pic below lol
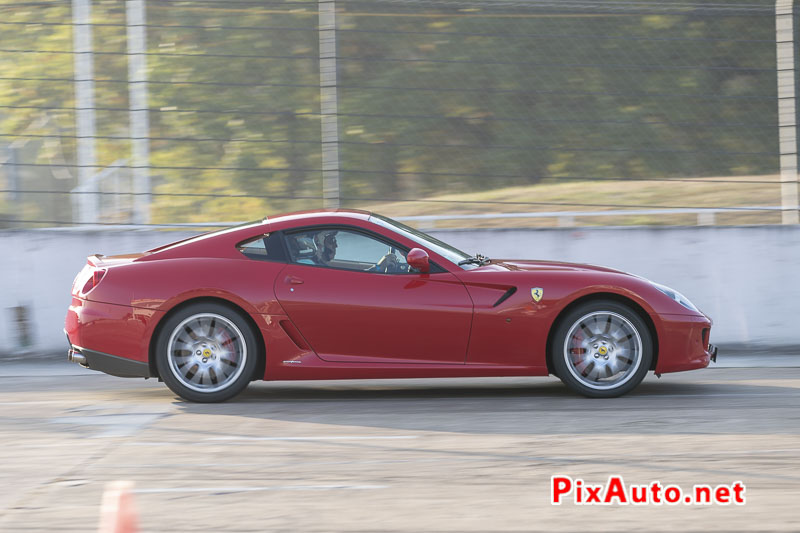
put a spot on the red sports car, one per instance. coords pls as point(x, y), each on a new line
point(349, 294)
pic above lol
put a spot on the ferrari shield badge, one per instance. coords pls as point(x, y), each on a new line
point(537, 294)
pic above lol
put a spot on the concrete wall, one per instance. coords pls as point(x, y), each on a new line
point(746, 278)
point(37, 268)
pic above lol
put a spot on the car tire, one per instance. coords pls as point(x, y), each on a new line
point(602, 349)
point(206, 352)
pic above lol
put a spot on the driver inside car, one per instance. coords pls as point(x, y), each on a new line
point(317, 250)
point(320, 249)
point(326, 247)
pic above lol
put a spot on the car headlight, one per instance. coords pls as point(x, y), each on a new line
point(678, 297)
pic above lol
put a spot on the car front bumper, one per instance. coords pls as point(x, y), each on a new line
point(684, 343)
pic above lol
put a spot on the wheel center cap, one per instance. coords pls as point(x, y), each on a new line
point(602, 350)
point(206, 353)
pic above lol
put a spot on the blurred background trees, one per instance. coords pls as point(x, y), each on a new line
point(435, 98)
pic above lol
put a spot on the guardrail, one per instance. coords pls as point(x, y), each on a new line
point(706, 216)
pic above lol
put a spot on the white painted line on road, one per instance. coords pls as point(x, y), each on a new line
point(331, 437)
point(222, 490)
point(53, 445)
point(236, 441)
point(284, 463)
point(161, 443)
point(35, 402)
point(742, 395)
point(397, 461)
point(712, 452)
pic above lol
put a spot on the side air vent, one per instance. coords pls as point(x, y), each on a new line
point(506, 295)
point(293, 334)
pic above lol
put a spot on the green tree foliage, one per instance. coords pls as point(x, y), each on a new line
point(434, 96)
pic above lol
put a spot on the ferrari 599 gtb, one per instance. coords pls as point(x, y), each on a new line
point(349, 294)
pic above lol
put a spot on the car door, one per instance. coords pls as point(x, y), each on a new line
point(352, 308)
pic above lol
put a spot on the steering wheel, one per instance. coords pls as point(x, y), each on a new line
point(389, 263)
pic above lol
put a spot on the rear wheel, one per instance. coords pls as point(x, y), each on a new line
point(602, 349)
point(206, 352)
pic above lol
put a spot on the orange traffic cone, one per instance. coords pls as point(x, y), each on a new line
point(118, 513)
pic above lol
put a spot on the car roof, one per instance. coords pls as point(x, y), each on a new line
point(309, 215)
point(206, 242)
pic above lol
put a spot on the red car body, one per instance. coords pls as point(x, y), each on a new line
point(324, 323)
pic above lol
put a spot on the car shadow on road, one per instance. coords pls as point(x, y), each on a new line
point(494, 388)
point(521, 406)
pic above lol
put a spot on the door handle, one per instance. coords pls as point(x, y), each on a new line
point(291, 280)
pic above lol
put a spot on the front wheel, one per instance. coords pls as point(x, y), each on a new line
point(602, 349)
point(206, 353)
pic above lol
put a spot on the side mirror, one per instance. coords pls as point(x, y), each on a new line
point(418, 258)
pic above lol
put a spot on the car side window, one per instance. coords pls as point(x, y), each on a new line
point(346, 249)
point(263, 248)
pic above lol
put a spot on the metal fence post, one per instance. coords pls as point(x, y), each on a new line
point(14, 181)
point(139, 120)
point(329, 109)
point(88, 204)
point(787, 109)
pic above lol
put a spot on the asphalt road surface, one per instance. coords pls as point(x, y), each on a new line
point(413, 455)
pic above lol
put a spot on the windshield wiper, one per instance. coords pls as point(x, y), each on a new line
point(478, 259)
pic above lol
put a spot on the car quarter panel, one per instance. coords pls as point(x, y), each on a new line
point(120, 315)
point(160, 285)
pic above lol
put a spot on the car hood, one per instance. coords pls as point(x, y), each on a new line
point(538, 266)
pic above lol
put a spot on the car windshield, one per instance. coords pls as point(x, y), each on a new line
point(450, 253)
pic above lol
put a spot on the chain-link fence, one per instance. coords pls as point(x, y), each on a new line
point(490, 112)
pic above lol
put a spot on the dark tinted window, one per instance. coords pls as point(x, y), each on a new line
point(263, 248)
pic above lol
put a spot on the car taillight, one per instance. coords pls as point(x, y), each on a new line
point(93, 281)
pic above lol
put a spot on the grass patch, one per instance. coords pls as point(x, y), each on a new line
point(599, 196)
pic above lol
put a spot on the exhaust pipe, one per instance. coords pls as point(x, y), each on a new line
point(76, 357)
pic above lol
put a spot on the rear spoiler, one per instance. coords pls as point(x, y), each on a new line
point(103, 261)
